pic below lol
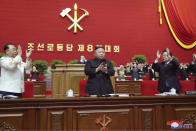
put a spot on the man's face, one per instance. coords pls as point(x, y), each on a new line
point(34, 68)
point(121, 67)
point(134, 65)
point(100, 53)
point(82, 57)
point(165, 57)
point(194, 57)
point(131, 64)
point(11, 52)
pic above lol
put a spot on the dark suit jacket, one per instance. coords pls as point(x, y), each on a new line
point(128, 73)
point(184, 74)
point(98, 83)
point(34, 75)
point(145, 68)
point(135, 74)
point(141, 72)
point(192, 68)
point(167, 75)
point(152, 74)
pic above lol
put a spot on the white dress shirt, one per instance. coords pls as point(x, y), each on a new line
point(12, 74)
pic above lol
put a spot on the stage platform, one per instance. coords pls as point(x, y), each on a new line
point(98, 113)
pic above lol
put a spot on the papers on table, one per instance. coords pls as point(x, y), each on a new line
point(10, 97)
point(120, 95)
point(123, 95)
point(111, 95)
point(167, 94)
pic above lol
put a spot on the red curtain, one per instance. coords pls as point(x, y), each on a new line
point(181, 18)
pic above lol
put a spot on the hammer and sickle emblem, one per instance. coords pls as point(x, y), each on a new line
point(75, 20)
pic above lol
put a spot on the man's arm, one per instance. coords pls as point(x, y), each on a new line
point(11, 64)
point(89, 70)
point(110, 69)
point(28, 60)
point(27, 64)
point(155, 65)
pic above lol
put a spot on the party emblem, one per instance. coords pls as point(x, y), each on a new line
point(75, 20)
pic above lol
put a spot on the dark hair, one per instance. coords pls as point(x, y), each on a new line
point(97, 47)
point(169, 52)
point(6, 46)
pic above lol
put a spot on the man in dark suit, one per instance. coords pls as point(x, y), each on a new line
point(99, 71)
point(192, 67)
point(145, 67)
point(135, 72)
point(167, 72)
point(183, 72)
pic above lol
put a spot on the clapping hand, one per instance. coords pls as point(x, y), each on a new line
point(28, 54)
point(19, 50)
point(168, 53)
point(99, 67)
point(104, 68)
point(158, 55)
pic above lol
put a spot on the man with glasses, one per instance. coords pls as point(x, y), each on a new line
point(12, 71)
point(168, 81)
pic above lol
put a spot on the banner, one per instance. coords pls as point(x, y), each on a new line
point(56, 30)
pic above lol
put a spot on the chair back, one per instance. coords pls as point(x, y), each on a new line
point(82, 86)
point(149, 88)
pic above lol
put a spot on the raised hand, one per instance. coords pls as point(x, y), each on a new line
point(28, 53)
point(158, 54)
point(168, 53)
point(19, 50)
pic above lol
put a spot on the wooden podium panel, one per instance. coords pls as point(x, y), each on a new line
point(116, 119)
point(187, 114)
point(56, 119)
point(66, 77)
point(97, 113)
point(39, 88)
point(17, 119)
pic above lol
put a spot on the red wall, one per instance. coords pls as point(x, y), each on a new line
point(131, 24)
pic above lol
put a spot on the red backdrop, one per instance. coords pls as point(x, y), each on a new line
point(131, 24)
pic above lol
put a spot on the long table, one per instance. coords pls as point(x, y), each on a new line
point(97, 113)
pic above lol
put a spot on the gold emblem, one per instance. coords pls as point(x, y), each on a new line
point(6, 127)
point(104, 121)
point(75, 20)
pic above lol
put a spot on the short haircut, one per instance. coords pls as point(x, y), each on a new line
point(6, 46)
point(170, 53)
point(97, 47)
